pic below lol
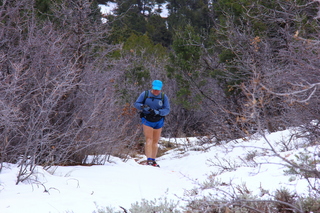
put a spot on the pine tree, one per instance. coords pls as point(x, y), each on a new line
point(194, 13)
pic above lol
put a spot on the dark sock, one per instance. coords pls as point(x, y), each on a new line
point(151, 159)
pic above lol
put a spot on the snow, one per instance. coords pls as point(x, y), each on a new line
point(83, 189)
point(107, 8)
point(110, 6)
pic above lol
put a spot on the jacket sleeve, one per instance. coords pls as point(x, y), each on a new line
point(166, 106)
point(139, 101)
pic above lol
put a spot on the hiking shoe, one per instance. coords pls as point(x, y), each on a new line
point(152, 163)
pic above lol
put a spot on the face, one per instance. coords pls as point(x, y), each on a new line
point(156, 92)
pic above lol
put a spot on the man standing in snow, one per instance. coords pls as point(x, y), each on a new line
point(154, 106)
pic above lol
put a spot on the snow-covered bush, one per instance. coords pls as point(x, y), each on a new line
point(160, 205)
point(157, 205)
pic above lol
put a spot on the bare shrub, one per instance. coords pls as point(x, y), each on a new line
point(267, 78)
point(58, 102)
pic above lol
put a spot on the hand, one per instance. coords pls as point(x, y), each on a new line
point(151, 112)
point(145, 107)
point(154, 112)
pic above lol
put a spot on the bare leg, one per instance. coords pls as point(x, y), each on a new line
point(152, 137)
point(156, 137)
point(148, 133)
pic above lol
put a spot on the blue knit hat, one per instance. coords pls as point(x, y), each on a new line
point(157, 85)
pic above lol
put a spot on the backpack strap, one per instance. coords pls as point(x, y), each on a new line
point(146, 94)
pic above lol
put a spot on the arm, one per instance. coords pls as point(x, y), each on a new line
point(166, 106)
point(139, 101)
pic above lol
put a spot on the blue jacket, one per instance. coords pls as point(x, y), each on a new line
point(154, 102)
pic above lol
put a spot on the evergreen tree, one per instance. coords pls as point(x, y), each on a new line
point(157, 30)
point(185, 61)
point(43, 8)
point(128, 19)
point(190, 12)
point(137, 17)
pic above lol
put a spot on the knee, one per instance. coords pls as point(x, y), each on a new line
point(155, 142)
point(149, 140)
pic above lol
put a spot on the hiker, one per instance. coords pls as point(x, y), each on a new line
point(154, 106)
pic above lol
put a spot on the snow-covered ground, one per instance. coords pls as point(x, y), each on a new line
point(85, 189)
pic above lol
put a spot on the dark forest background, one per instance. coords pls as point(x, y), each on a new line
point(231, 68)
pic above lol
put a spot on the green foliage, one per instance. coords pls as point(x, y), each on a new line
point(285, 197)
point(144, 56)
point(187, 49)
point(305, 166)
point(194, 13)
point(95, 14)
point(143, 7)
point(44, 8)
point(119, 33)
point(310, 204)
point(137, 22)
point(138, 43)
point(43, 5)
point(134, 20)
point(156, 205)
point(226, 56)
point(307, 27)
point(139, 73)
point(243, 203)
point(131, 21)
point(143, 46)
point(283, 201)
point(185, 63)
point(160, 205)
point(158, 32)
point(259, 27)
point(230, 8)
